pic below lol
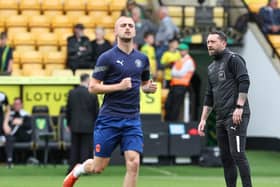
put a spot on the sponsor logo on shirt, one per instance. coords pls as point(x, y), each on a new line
point(119, 62)
point(138, 63)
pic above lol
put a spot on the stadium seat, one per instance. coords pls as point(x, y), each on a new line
point(105, 22)
point(110, 35)
point(47, 42)
point(93, 5)
point(115, 15)
point(62, 38)
point(24, 41)
point(54, 60)
point(175, 11)
point(31, 57)
point(44, 130)
point(52, 8)
point(218, 16)
point(64, 133)
point(255, 5)
point(37, 72)
point(74, 8)
point(275, 40)
point(177, 21)
point(189, 16)
point(16, 57)
point(87, 21)
point(30, 7)
point(17, 72)
point(39, 24)
point(17, 21)
point(61, 24)
point(8, 8)
point(62, 72)
point(117, 5)
point(97, 14)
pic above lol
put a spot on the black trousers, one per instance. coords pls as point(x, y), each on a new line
point(175, 102)
point(232, 142)
point(81, 148)
point(10, 140)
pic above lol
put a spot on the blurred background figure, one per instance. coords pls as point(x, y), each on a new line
point(100, 44)
point(270, 17)
point(18, 129)
point(4, 115)
point(142, 26)
point(6, 55)
point(81, 112)
point(79, 50)
point(167, 60)
point(166, 31)
point(181, 76)
point(149, 50)
point(130, 4)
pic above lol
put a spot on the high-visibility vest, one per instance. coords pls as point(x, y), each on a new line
point(4, 59)
point(186, 79)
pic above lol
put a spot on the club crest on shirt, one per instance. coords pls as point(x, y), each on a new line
point(138, 63)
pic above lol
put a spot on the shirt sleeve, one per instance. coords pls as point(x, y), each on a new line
point(187, 67)
point(146, 71)
point(101, 68)
point(238, 68)
point(208, 99)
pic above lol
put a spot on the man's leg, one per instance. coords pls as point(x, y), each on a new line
point(237, 141)
point(230, 171)
point(9, 148)
point(74, 151)
point(132, 160)
point(95, 165)
point(86, 147)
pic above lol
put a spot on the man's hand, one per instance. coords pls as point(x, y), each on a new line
point(237, 116)
point(125, 84)
point(150, 87)
point(17, 121)
point(201, 127)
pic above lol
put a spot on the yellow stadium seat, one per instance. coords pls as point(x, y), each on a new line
point(275, 40)
point(17, 72)
point(105, 21)
point(62, 38)
point(97, 14)
point(24, 38)
point(93, 5)
point(110, 35)
point(87, 21)
point(49, 68)
point(16, 57)
point(115, 15)
point(31, 57)
point(79, 72)
point(47, 42)
point(57, 57)
point(39, 24)
point(2, 22)
point(30, 7)
point(29, 70)
point(8, 8)
point(190, 11)
point(218, 16)
point(177, 21)
point(62, 72)
point(117, 5)
point(89, 33)
point(75, 8)
point(15, 66)
point(52, 8)
point(61, 21)
point(189, 22)
point(175, 11)
point(197, 39)
point(16, 21)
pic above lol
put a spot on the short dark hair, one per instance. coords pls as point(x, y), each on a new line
point(18, 98)
point(148, 33)
point(221, 34)
point(84, 77)
point(3, 35)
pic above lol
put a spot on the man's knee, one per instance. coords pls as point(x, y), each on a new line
point(133, 164)
point(238, 156)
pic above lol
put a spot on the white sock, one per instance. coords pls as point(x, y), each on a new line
point(79, 170)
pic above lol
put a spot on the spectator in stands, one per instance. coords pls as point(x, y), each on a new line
point(270, 18)
point(81, 112)
point(4, 114)
point(182, 72)
point(167, 60)
point(6, 55)
point(18, 129)
point(142, 26)
point(79, 50)
point(100, 44)
point(149, 50)
point(130, 4)
point(166, 31)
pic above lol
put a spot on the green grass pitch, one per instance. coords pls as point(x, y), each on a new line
point(264, 165)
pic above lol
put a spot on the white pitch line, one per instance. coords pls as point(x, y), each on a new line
point(162, 171)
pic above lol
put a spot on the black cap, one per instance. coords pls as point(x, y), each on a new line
point(79, 26)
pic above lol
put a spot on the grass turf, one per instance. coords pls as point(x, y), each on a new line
point(264, 165)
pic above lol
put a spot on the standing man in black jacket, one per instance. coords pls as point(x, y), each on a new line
point(81, 112)
point(228, 85)
point(79, 50)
